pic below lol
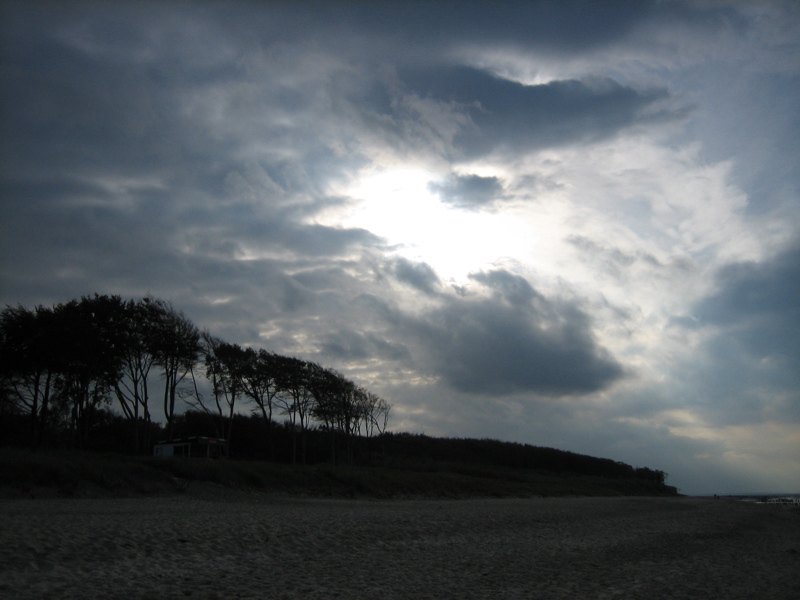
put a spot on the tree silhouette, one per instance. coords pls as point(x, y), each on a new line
point(295, 398)
point(28, 364)
point(374, 412)
point(260, 375)
point(88, 336)
point(335, 406)
point(70, 360)
point(177, 348)
point(140, 336)
point(225, 367)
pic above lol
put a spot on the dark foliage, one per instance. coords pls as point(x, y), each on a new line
point(422, 449)
point(59, 367)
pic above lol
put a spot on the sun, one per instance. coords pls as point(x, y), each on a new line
point(399, 205)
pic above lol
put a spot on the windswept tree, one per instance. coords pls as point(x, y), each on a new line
point(374, 413)
point(87, 333)
point(28, 364)
point(225, 365)
point(259, 379)
point(334, 406)
point(69, 360)
point(295, 399)
point(140, 336)
point(176, 348)
point(329, 389)
point(346, 410)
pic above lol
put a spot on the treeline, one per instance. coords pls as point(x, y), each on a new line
point(62, 367)
point(112, 433)
point(404, 448)
point(107, 374)
point(396, 451)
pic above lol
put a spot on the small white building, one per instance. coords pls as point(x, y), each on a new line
point(192, 447)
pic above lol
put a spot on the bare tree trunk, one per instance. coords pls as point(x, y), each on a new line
point(35, 410)
point(43, 412)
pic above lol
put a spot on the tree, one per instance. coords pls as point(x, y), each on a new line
point(225, 367)
point(177, 348)
point(140, 337)
point(69, 360)
point(335, 407)
point(295, 398)
point(374, 413)
point(259, 378)
point(28, 364)
point(88, 336)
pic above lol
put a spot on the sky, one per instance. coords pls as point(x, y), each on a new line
point(569, 224)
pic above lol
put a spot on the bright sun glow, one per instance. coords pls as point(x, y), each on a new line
point(399, 206)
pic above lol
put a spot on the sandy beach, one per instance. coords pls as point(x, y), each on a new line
point(206, 545)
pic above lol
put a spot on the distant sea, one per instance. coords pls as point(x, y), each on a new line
point(767, 498)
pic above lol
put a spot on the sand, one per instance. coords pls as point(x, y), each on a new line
point(238, 546)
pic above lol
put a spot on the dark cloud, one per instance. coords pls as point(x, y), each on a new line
point(348, 344)
point(508, 116)
point(513, 288)
point(756, 289)
point(582, 25)
point(424, 29)
point(418, 275)
point(758, 305)
point(322, 277)
point(70, 109)
point(78, 239)
point(135, 80)
point(317, 240)
point(747, 368)
point(520, 342)
point(137, 156)
point(468, 191)
point(129, 92)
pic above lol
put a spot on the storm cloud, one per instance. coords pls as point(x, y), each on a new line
point(759, 304)
point(514, 340)
point(507, 116)
point(469, 190)
point(417, 275)
point(754, 323)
